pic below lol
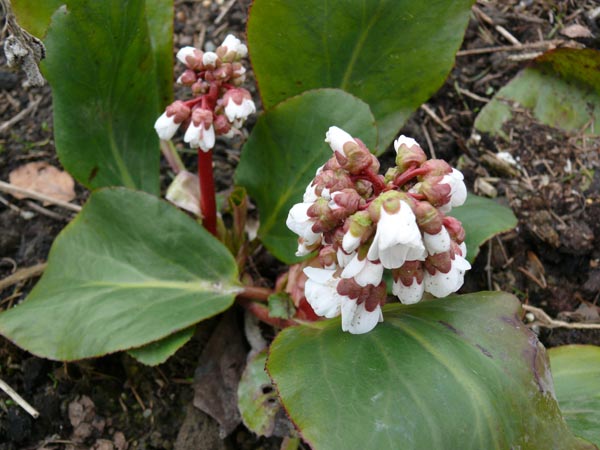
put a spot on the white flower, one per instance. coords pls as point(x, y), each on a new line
point(336, 138)
point(209, 58)
point(350, 242)
point(199, 136)
point(363, 271)
point(241, 111)
point(458, 190)
point(310, 195)
point(397, 238)
point(356, 319)
point(437, 243)
point(404, 140)
point(233, 44)
point(443, 284)
point(183, 54)
point(321, 292)
point(344, 258)
point(299, 222)
point(166, 127)
point(408, 294)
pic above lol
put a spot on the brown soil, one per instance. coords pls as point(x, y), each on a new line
point(551, 260)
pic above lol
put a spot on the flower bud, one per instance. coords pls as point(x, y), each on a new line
point(187, 78)
point(191, 57)
point(436, 168)
point(210, 60)
point(358, 228)
point(428, 217)
point(328, 257)
point(408, 153)
point(455, 229)
point(222, 125)
point(436, 192)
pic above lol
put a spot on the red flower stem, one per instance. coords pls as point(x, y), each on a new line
point(409, 174)
point(376, 179)
point(208, 203)
point(256, 293)
point(261, 312)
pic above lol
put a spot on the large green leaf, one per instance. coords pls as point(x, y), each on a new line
point(101, 68)
point(393, 54)
point(482, 219)
point(576, 372)
point(286, 147)
point(561, 88)
point(129, 270)
point(456, 373)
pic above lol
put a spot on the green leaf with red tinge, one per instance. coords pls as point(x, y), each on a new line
point(561, 88)
point(455, 373)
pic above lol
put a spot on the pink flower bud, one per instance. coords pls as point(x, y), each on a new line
point(428, 217)
point(408, 153)
point(187, 78)
point(222, 125)
point(328, 257)
point(436, 192)
point(436, 168)
point(191, 57)
point(455, 229)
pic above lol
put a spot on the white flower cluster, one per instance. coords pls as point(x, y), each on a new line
point(362, 223)
point(219, 107)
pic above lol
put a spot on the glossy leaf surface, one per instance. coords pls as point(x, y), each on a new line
point(392, 54)
point(482, 218)
point(576, 373)
point(286, 147)
point(561, 89)
point(105, 93)
point(130, 269)
point(456, 373)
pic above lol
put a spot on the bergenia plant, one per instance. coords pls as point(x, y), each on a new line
point(134, 273)
point(362, 222)
point(218, 107)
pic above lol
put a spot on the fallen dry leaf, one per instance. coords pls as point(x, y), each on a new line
point(576, 31)
point(43, 178)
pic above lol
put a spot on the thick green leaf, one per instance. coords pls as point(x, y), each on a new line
point(284, 150)
point(160, 24)
point(257, 399)
point(576, 372)
point(455, 373)
point(393, 54)
point(34, 15)
point(101, 69)
point(158, 352)
point(129, 270)
point(482, 219)
point(561, 88)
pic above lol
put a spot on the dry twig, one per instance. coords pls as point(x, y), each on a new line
point(19, 400)
point(544, 320)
